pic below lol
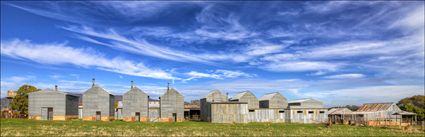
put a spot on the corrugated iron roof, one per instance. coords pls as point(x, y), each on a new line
point(212, 92)
point(371, 107)
point(269, 96)
point(339, 111)
point(302, 100)
point(404, 113)
point(241, 94)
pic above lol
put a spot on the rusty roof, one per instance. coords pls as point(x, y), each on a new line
point(191, 106)
point(371, 107)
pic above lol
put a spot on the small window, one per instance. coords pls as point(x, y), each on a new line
point(251, 110)
point(299, 111)
point(321, 112)
point(281, 111)
point(310, 112)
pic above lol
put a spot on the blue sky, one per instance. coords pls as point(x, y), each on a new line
point(340, 52)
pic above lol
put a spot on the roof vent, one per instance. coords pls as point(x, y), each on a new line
point(168, 86)
point(93, 81)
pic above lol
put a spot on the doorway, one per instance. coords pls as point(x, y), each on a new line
point(137, 116)
point(46, 113)
point(175, 117)
point(98, 116)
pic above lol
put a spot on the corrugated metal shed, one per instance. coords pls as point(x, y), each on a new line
point(340, 115)
point(98, 104)
point(273, 100)
point(135, 105)
point(306, 111)
point(246, 96)
point(213, 96)
point(171, 106)
point(305, 103)
point(52, 105)
point(377, 111)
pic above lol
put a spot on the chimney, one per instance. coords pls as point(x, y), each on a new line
point(132, 84)
point(93, 81)
point(56, 87)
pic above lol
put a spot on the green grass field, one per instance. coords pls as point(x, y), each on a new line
point(21, 127)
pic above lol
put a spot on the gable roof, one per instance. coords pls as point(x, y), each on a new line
point(48, 90)
point(171, 90)
point(269, 96)
point(339, 111)
point(303, 100)
point(213, 92)
point(135, 89)
point(240, 95)
point(96, 87)
point(371, 107)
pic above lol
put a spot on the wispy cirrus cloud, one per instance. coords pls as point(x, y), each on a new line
point(60, 53)
point(217, 74)
point(346, 76)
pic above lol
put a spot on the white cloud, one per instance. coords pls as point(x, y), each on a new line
point(139, 46)
point(15, 80)
point(263, 48)
point(413, 20)
point(217, 74)
point(10, 83)
point(300, 66)
point(224, 27)
point(61, 54)
point(345, 76)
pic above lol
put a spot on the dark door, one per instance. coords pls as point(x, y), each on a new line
point(98, 116)
point(137, 116)
point(175, 117)
point(49, 113)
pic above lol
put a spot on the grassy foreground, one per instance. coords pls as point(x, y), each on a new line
point(22, 127)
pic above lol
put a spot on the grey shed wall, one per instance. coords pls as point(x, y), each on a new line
point(267, 115)
point(213, 96)
point(249, 98)
point(171, 102)
point(64, 106)
point(229, 112)
point(135, 100)
point(98, 99)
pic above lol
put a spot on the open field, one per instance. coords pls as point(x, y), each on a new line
point(20, 127)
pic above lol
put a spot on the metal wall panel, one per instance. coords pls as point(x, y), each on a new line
point(97, 99)
point(172, 102)
point(267, 115)
point(134, 101)
point(229, 113)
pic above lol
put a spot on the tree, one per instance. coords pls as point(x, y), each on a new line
point(415, 104)
point(20, 101)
